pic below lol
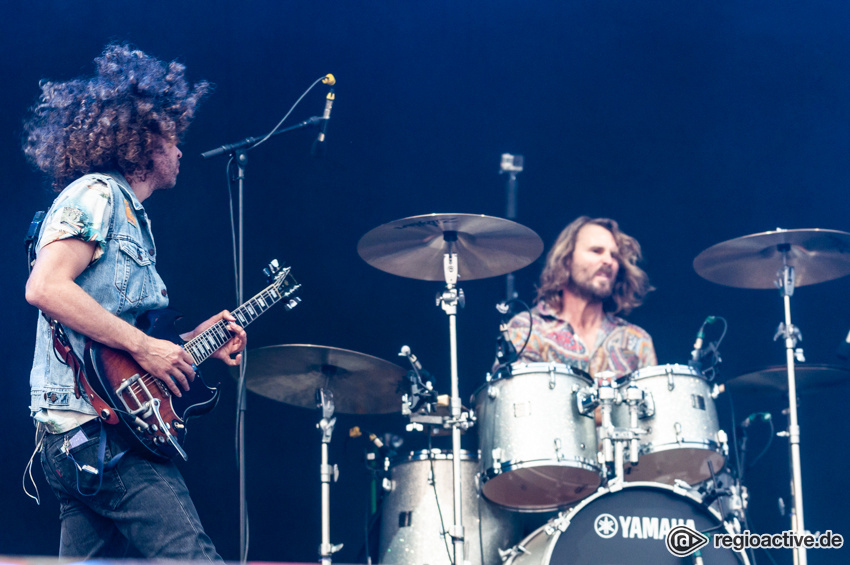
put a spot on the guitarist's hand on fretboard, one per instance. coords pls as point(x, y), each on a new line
point(234, 346)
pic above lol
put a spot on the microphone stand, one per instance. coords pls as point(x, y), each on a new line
point(238, 152)
point(512, 165)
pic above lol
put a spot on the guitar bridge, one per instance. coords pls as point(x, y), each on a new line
point(147, 406)
point(143, 407)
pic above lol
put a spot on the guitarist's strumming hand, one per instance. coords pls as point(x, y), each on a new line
point(235, 345)
point(166, 361)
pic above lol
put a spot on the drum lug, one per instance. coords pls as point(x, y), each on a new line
point(722, 439)
point(510, 553)
point(387, 485)
point(715, 392)
point(497, 460)
point(559, 455)
point(670, 384)
point(561, 522)
point(678, 427)
point(492, 392)
point(552, 377)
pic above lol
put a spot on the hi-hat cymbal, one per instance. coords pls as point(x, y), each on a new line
point(753, 261)
point(808, 378)
point(414, 247)
point(360, 383)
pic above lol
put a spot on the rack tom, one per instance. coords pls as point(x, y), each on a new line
point(538, 453)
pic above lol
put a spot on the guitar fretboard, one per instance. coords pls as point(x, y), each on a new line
point(202, 346)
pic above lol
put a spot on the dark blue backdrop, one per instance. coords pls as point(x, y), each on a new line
point(690, 123)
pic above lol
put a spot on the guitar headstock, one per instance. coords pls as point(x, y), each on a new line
point(280, 277)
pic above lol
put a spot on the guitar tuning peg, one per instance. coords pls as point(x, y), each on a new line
point(273, 268)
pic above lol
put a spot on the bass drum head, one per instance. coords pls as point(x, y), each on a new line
point(625, 527)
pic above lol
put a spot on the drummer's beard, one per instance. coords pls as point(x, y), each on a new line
point(589, 291)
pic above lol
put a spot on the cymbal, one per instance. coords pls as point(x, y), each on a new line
point(753, 261)
point(808, 378)
point(485, 246)
point(360, 383)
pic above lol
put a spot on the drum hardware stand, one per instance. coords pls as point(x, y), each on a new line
point(324, 401)
point(615, 440)
point(449, 300)
point(785, 283)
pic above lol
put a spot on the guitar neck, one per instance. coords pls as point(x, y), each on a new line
point(202, 346)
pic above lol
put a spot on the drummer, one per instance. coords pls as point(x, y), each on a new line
point(591, 276)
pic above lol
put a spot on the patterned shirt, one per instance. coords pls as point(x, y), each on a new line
point(620, 347)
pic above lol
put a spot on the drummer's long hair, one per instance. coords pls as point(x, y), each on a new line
point(114, 120)
point(632, 283)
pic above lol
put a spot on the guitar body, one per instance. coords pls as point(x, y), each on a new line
point(144, 405)
point(147, 409)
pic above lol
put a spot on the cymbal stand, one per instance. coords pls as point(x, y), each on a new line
point(449, 300)
point(785, 283)
point(324, 401)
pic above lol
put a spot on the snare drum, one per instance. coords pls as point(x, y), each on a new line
point(683, 433)
point(418, 511)
point(538, 453)
point(629, 525)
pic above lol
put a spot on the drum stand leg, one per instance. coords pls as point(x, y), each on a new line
point(449, 300)
point(791, 334)
point(324, 400)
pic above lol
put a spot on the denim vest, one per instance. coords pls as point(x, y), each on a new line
point(123, 280)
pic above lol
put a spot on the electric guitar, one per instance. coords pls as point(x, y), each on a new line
point(155, 417)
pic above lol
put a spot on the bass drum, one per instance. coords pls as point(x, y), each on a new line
point(418, 510)
point(624, 527)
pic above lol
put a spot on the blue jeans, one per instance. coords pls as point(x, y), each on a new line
point(141, 501)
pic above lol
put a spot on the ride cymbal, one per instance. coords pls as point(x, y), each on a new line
point(808, 378)
point(360, 383)
point(755, 261)
point(414, 247)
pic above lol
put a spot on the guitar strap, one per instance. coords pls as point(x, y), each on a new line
point(63, 349)
point(60, 340)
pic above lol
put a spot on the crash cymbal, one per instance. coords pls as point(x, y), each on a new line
point(753, 261)
point(808, 378)
point(414, 247)
point(360, 383)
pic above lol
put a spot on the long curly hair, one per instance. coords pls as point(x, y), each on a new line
point(632, 283)
point(114, 120)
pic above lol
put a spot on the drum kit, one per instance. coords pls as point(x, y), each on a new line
point(655, 459)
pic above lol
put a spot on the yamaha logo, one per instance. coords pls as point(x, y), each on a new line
point(607, 526)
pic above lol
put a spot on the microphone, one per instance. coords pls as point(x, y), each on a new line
point(763, 416)
point(356, 432)
point(414, 362)
point(697, 351)
point(318, 148)
point(505, 351)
